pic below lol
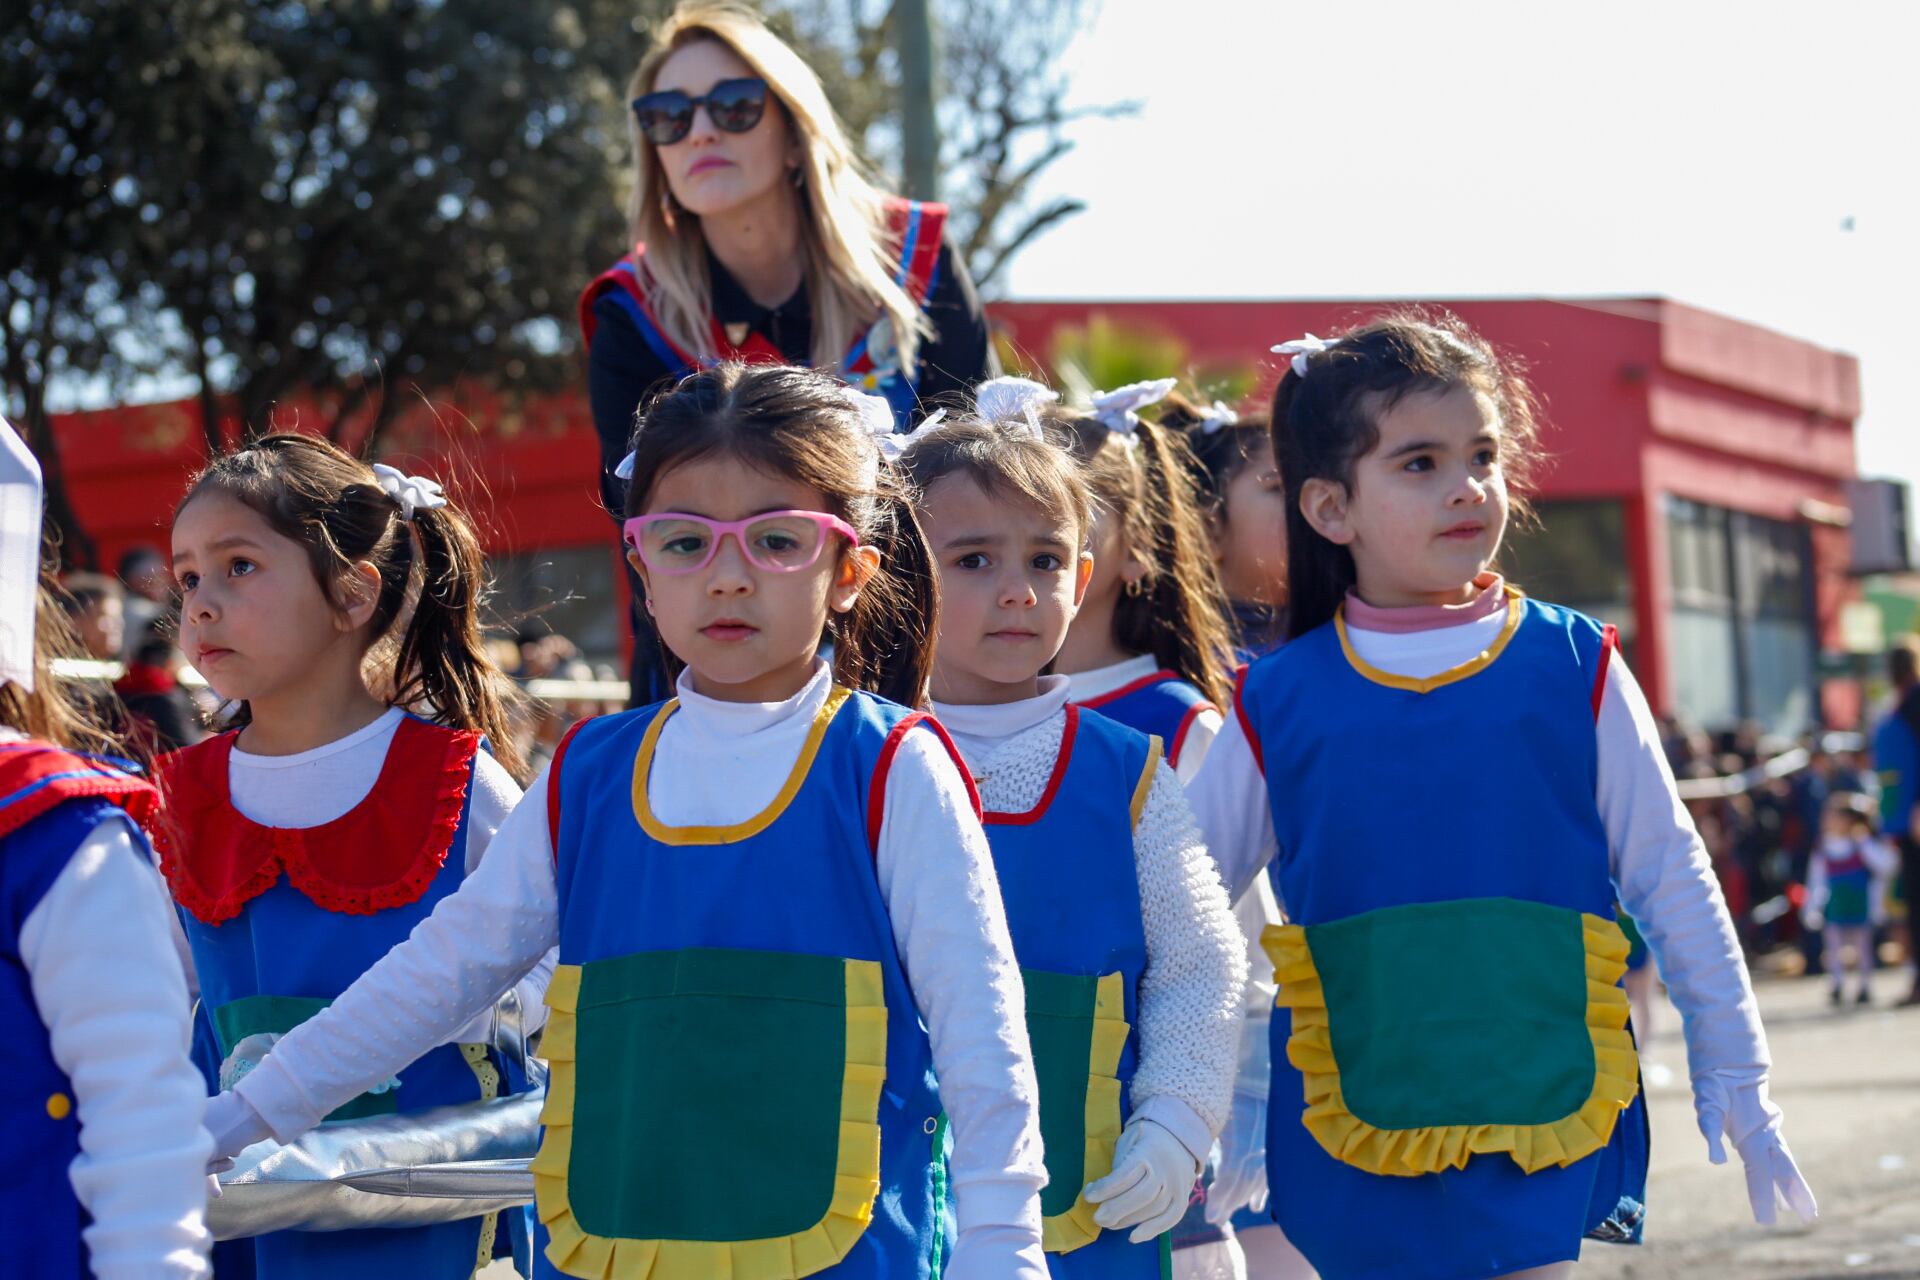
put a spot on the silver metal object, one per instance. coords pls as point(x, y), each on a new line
point(440, 1164)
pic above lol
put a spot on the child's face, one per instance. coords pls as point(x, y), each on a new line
point(1250, 534)
point(747, 634)
point(1428, 505)
point(1011, 578)
point(253, 618)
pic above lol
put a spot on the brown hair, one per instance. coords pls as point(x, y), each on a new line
point(805, 425)
point(1326, 422)
point(332, 504)
point(1146, 482)
point(55, 710)
point(1219, 455)
point(1903, 661)
point(1005, 463)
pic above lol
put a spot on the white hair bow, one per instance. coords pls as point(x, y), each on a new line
point(19, 556)
point(1220, 415)
point(1115, 409)
point(1010, 400)
point(894, 443)
point(1300, 349)
point(413, 493)
point(624, 467)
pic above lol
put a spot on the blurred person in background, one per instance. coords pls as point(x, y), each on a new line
point(1896, 758)
point(161, 714)
point(148, 579)
point(97, 614)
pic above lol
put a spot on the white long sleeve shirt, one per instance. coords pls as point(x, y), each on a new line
point(1657, 861)
point(101, 968)
point(1189, 1020)
point(718, 763)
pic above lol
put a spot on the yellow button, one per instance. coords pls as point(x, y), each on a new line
point(59, 1106)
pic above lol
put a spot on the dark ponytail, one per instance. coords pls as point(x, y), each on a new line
point(1325, 422)
point(804, 424)
point(1181, 616)
point(332, 504)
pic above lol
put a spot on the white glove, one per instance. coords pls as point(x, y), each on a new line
point(1151, 1183)
point(1744, 1114)
point(997, 1253)
point(1812, 921)
point(235, 1126)
point(1240, 1178)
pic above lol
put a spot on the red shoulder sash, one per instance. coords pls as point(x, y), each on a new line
point(36, 776)
point(382, 853)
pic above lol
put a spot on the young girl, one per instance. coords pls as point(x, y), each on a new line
point(1151, 645)
point(1454, 1088)
point(1245, 508)
point(1131, 959)
point(776, 911)
point(324, 598)
point(101, 1150)
point(1847, 880)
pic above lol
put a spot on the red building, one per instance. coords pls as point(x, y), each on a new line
point(1696, 498)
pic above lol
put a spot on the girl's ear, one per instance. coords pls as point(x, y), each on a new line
point(1082, 577)
point(1324, 504)
point(359, 595)
point(856, 570)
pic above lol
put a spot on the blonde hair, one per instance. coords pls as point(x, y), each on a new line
point(850, 266)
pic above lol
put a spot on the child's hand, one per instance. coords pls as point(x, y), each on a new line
point(1744, 1114)
point(1151, 1183)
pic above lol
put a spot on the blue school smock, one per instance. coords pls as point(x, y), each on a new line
point(741, 1082)
point(1072, 891)
point(1161, 705)
point(50, 802)
point(281, 921)
point(1454, 1089)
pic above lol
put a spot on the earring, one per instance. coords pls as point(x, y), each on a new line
point(1136, 588)
point(798, 177)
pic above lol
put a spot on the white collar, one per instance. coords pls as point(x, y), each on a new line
point(1104, 680)
point(714, 718)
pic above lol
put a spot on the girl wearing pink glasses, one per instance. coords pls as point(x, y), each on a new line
point(787, 1029)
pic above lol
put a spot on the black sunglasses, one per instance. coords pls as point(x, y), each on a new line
point(734, 106)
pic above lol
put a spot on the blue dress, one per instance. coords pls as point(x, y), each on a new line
point(1161, 705)
point(1454, 1090)
point(741, 1082)
point(282, 921)
point(1072, 893)
point(50, 801)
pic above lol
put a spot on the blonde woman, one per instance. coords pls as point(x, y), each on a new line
point(757, 237)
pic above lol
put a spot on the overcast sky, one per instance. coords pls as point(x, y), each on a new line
point(1714, 153)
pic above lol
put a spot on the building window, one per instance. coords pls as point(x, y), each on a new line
point(1577, 557)
point(569, 590)
point(1743, 644)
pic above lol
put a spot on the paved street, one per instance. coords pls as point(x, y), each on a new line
point(1849, 1083)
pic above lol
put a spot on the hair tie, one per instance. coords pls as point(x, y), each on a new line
point(895, 443)
point(1115, 410)
point(1009, 401)
point(1300, 349)
point(1220, 415)
point(413, 493)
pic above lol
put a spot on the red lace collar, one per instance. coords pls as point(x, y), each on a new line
point(382, 853)
point(35, 776)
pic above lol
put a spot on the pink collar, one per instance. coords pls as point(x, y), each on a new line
point(1489, 599)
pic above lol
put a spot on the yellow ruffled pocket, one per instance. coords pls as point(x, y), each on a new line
point(1453, 1030)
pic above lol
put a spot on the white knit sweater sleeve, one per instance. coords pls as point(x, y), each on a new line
point(100, 966)
point(1190, 1011)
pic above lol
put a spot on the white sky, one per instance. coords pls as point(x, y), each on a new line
point(1709, 152)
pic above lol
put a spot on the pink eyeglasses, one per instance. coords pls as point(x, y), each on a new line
point(778, 542)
